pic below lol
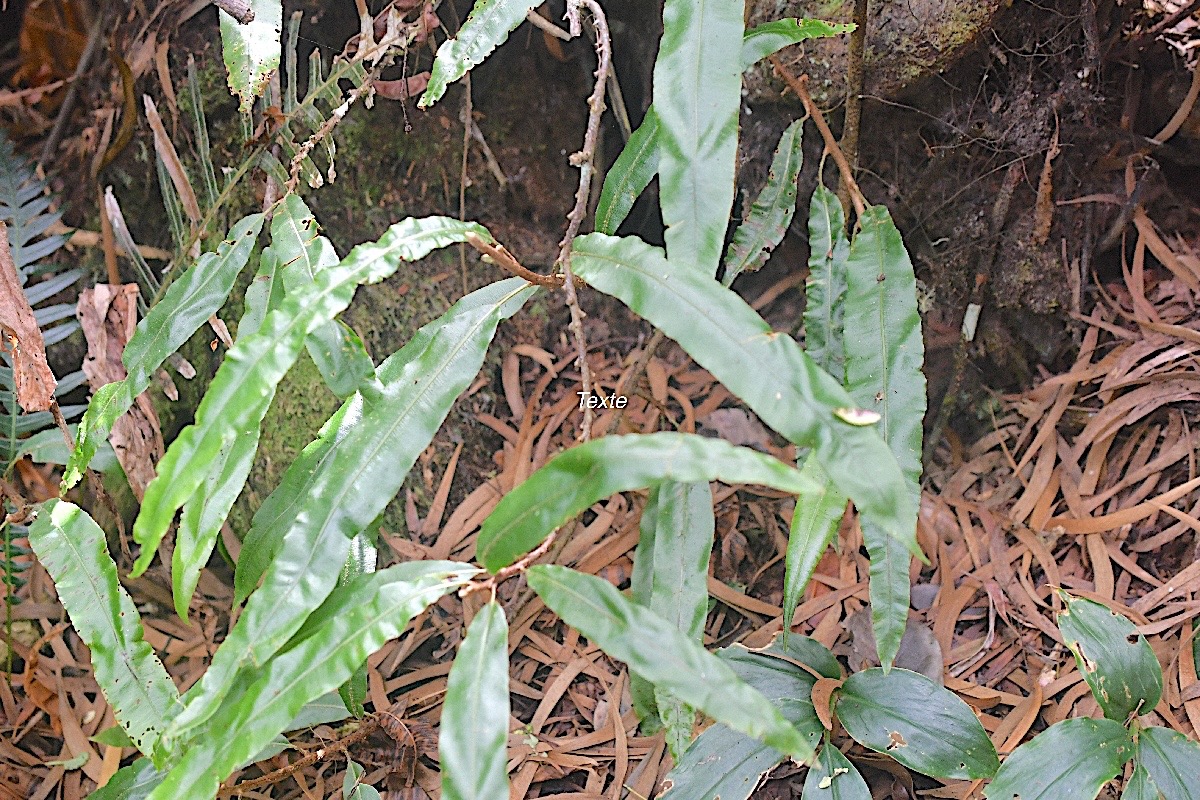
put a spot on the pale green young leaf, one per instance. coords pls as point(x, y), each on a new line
point(1073, 758)
point(670, 577)
point(576, 478)
point(188, 303)
point(355, 622)
point(767, 370)
point(301, 536)
point(487, 27)
point(920, 724)
point(771, 213)
point(474, 729)
point(659, 652)
point(251, 51)
point(884, 356)
point(771, 37)
point(72, 548)
point(1173, 761)
point(825, 288)
point(815, 524)
point(243, 387)
point(833, 777)
point(1115, 660)
point(697, 96)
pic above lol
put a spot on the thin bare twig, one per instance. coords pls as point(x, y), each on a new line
point(95, 36)
point(369, 726)
point(467, 113)
point(585, 159)
point(800, 87)
point(238, 9)
point(854, 89)
point(500, 256)
point(538, 21)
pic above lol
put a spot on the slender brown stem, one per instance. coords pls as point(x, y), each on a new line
point(585, 159)
point(369, 726)
point(800, 87)
point(854, 91)
point(504, 259)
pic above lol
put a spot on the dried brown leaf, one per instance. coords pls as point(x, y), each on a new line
point(22, 338)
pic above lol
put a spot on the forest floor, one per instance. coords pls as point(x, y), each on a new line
point(1041, 175)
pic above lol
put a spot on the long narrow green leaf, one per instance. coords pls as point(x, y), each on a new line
point(189, 301)
point(771, 37)
point(814, 525)
point(474, 729)
point(342, 482)
point(660, 653)
point(1173, 761)
point(697, 96)
point(1073, 758)
point(72, 548)
point(638, 163)
point(252, 50)
point(340, 356)
point(825, 288)
point(295, 244)
point(379, 608)
point(202, 517)
point(488, 26)
point(670, 577)
point(884, 355)
point(767, 370)
point(723, 763)
point(363, 560)
point(575, 479)
point(833, 777)
point(629, 176)
point(771, 213)
point(1115, 660)
point(243, 387)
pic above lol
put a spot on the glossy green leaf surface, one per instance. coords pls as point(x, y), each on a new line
point(629, 176)
point(833, 777)
point(723, 763)
point(576, 478)
point(341, 357)
point(474, 729)
point(1140, 786)
point(771, 213)
point(72, 548)
point(1173, 761)
point(771, 37)
point(488, 26)
point(815, 524)
point(1115, 660)
point(251, 51)
point(342, 482)
point(767, 370)
point(884, 356)
point(660, 653)
point(670, 577)
point(352, 786)
point(912, 719)
point(243, 387)
point(825, 287)
point(355, 622)
point(363, 560)
point(197, 294)
point(1073, 758)
point(134, 782)
point(697, 95)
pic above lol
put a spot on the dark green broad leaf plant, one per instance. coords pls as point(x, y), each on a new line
point(314, 607)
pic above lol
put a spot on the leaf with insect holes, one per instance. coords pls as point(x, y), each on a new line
point(1073, 758)
point(1115, 660)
